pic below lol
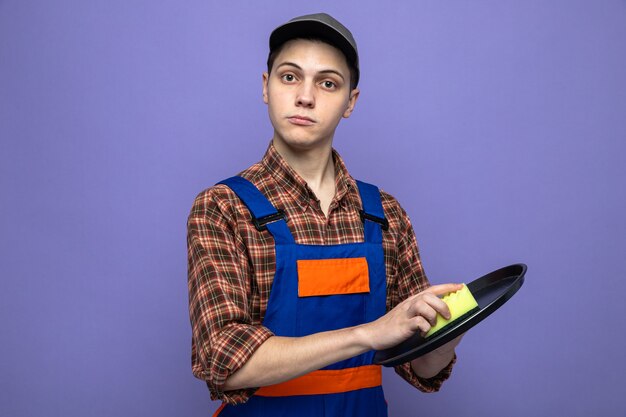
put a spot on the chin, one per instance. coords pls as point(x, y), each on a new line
point(301, 144)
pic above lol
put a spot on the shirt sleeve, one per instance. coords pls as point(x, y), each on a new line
point(410, 279)
point(223, 335)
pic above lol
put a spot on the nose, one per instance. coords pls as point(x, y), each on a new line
point(306, 95)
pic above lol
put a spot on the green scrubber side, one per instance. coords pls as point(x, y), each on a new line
point(461, 303)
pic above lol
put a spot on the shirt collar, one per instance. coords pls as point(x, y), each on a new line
point(288, 179)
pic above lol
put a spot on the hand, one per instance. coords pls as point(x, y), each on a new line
point(430, 364)
point(416, 313)
point(447, 349)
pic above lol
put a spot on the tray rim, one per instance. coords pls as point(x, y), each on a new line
point(385, 358)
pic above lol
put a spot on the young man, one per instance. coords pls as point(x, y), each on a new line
point(297, 272)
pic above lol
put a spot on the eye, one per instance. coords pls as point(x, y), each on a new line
point(288, 78)
point(329, 85)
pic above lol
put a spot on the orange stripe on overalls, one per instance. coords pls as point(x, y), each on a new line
point(327, 382)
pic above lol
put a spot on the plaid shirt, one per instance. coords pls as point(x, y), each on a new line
point(231, 264)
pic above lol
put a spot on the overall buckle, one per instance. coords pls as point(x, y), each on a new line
point(380, 220)
point(261, 222)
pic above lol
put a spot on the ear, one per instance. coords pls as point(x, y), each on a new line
point(354, 95)
point(266, 77)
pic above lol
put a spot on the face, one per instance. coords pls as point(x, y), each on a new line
point(307, 93)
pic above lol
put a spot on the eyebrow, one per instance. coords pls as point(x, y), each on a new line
point(326, 71)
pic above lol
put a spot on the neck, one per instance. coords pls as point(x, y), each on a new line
point(314, 165)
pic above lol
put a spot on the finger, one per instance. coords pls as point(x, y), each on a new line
point(424, 309)
point(419, 323)
point(433, 302)
point(429, 305)
point(441, 307)
point(443, 289)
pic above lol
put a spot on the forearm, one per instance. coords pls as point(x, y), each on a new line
point(283, 358)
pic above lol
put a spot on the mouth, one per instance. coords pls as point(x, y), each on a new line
point(300, 120)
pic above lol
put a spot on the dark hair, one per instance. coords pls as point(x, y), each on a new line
point(273, 54)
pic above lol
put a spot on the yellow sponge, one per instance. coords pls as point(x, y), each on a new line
point(461, 303)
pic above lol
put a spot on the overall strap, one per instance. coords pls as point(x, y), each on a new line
point(264, 214)
point(372, 214)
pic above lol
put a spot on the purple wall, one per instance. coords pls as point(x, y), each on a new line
point(499, 125)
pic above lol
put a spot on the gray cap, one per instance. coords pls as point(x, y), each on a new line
point(323, 26)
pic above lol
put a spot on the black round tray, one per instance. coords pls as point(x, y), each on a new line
point(490, 291)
